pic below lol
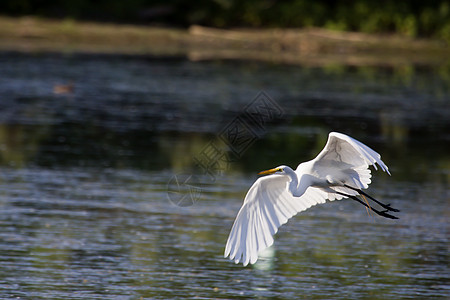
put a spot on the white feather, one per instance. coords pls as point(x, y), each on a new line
point(269, 203)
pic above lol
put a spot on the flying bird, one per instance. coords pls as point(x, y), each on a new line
point(341, 170)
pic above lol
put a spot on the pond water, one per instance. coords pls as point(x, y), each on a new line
point(96, 154)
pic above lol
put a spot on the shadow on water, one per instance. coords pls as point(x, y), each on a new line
point(88, 144)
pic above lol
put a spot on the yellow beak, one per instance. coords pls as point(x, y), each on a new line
point(267, 172)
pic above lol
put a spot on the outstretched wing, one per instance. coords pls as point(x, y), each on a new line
point(342, 148)
point(267, 206)
point(348, 160)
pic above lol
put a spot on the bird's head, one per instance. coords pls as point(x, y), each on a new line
point(277, 170)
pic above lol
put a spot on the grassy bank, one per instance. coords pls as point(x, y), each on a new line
point(310, 46)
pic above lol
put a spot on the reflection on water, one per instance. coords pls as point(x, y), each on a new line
point(84, 177)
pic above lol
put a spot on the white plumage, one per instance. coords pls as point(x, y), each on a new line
point(340, 170)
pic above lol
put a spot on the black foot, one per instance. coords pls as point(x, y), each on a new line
point(382, 213)
point(385, 206)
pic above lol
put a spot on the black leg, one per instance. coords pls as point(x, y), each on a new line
point(385, 206)
point(382, 213)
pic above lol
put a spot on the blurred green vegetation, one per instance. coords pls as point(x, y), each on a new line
point(408, 18)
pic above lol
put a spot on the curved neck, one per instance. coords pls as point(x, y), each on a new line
point(294, 187)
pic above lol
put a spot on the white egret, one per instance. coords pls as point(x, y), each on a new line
point(341, 170)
